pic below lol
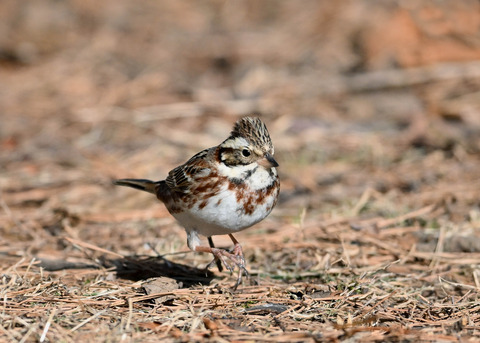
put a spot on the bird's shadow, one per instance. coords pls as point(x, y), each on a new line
point(136, 268)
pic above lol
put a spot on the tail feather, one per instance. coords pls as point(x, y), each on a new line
point(141, 184)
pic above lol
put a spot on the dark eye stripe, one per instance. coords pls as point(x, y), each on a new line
point(224, 153)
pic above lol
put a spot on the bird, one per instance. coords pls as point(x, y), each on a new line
point(221, 190)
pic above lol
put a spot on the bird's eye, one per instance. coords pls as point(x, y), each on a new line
point(246, 152)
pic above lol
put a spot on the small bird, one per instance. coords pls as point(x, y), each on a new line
point(221, 190)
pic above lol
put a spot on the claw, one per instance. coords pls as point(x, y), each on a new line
point(227, 257)
point(237, 251)
point(230, 260)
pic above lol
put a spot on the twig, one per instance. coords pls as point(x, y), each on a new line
point(438, 248)
point(422, 211)
point(92, 247)
point(396, 78)
point(367, 194)
point(379, 303)
point(130, 314)
point(456, 284)
point(47, 325)
point(99, 313)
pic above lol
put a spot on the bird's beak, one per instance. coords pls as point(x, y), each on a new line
point(268, 161)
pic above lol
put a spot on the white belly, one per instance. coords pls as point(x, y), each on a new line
point(223, 214)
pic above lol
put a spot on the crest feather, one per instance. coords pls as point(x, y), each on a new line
point(254, 130)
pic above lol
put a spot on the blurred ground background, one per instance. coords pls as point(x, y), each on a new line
point(374, 110)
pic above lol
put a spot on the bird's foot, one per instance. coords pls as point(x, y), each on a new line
point(229, 259)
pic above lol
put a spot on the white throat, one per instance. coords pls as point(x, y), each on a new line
point(254, 175)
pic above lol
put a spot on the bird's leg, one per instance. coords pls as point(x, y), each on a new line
point(227, 259)
point(237, 248)
point(238, 251)
point(215, 259)
point(221, 255)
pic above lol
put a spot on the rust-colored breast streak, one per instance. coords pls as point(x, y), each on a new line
point(204, 189)
point(251, 199)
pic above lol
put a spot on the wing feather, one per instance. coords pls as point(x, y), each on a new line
point(181, 178)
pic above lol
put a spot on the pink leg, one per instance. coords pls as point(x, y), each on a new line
point(236, 258)
point(237, 251)
point(237, 248)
